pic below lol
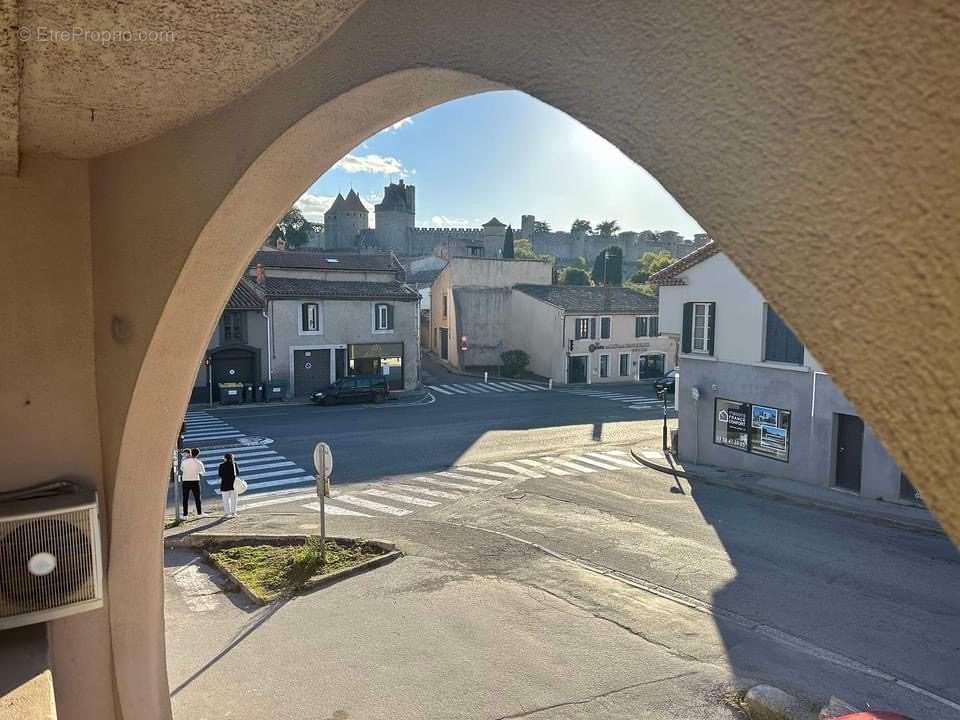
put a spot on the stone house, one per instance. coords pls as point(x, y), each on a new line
point(470, 307)
point(304, 319)
point(579, 334)
point(752, 397)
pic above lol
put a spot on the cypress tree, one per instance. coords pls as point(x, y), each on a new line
point(508, 243)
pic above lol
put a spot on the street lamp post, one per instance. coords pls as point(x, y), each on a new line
point(663, 396)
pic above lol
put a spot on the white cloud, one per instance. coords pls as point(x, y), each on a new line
point(449, 222)
point(398, 124)
point(314, 206)
point(372, 163)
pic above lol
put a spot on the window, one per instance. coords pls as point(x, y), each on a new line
point(605, 328)
point(779, 342)
point(310, 318)
point(382, 317)
point(444, 304)
point(624, 364)
point(582, 328)
point(647, 326)
point(699, 327)
point(476, 251)
point(233, 327)
point(756, 429)
point(604, 365)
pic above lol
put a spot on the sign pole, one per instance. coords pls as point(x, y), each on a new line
point(665, 421)
point(323, 509)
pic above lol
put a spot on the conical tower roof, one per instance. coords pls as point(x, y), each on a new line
point(353, 203)
point(493, 222)
point(337, 205)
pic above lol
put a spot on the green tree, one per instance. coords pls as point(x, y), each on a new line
point(508, 249)
point(581, 226)
point(650, 263)
point(575, 276)
point(580, 262)
point(541, 226)
point(523, 248)
point(293, 227)
point(608, 228)
point(608, 267)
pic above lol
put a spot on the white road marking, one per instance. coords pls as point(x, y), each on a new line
point(526, 472)
point(591, 461)
point(334, 510)
point(443, 483)
point(459, 476)
point(370, 505)
point(273, 473)
point(614, 459)
point(401, 498)
point(213, 436)
point(241, 505)
point(541, 466)
point(284, 481)
point(196, 588)
point(439, 389)
point(494, 473)
point(571, 465)
point(532, 387)
point(427, 491)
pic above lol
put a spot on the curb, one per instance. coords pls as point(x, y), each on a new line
point(932, 528)
point(208, 542)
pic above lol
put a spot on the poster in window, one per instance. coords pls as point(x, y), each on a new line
point(770, 432)
point(731, 424)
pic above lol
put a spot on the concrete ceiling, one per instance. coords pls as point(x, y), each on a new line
point(71, 87)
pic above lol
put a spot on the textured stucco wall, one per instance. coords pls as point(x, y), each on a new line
point(48, 392)
point(810, 139)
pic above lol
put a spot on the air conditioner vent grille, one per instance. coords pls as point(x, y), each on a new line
point(49, 562)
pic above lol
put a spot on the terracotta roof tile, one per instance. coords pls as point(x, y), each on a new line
point(595, 300)
point(275, 288)
point(670, 275)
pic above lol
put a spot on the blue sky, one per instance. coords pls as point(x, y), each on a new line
point(502, 154)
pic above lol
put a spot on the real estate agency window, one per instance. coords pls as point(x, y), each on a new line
point(605, 328)
point(624, 364)
point(233, 327)
point(779, 342)
point(382, 317)
point(604, 365)
point(310, 317)
point(647, 326)
point(582, 328)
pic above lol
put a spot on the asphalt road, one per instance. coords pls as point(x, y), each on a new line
point(371, 441)
point(477, 621)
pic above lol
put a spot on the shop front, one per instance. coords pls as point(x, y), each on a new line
point(384, 359)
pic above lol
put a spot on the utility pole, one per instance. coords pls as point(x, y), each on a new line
point(663, 396)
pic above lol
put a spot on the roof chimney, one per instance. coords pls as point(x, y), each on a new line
point(261, 274)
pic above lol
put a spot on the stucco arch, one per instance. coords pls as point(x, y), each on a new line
point(778, 131)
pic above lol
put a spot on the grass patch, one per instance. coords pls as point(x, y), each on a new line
point(278, 571)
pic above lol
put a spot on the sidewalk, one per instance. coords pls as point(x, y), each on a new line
point(914, 518)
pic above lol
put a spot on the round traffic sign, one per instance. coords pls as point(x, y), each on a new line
point(323, 459)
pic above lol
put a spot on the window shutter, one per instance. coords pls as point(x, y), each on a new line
point(593, 328)
point(713, 327)
point(389, 317)
point(304, 316)
point(686, 341)
point(654, 327)
point(636, 327)
point(604, 328)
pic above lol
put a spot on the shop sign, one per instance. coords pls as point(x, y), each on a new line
point(756, 429)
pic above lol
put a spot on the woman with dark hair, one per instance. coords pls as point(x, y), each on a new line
point(228, 472)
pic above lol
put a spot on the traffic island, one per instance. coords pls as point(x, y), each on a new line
point(267, 569)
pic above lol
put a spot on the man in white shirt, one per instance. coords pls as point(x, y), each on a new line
point(191, 473)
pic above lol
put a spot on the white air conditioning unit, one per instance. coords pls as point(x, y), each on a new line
point(50, 555)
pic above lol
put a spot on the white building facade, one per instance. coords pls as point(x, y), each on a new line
point(751, 397)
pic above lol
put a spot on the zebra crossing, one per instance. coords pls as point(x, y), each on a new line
point(262, 468)
point(407, 496)
point(632, 398)
point(487, 388)
point(203, 427)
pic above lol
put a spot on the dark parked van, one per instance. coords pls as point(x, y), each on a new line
point(361, 388)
